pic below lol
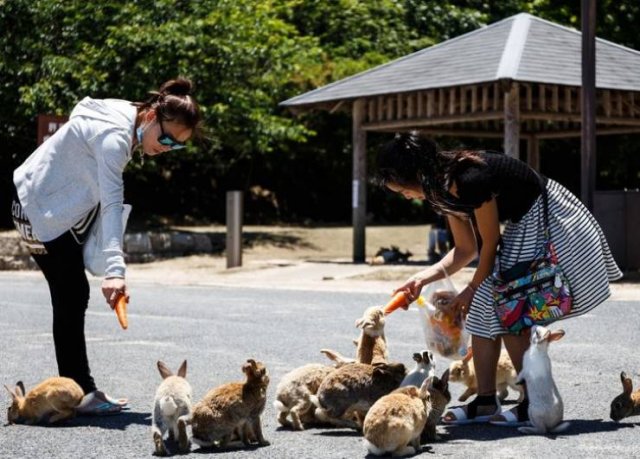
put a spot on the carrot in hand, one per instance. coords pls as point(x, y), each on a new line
point(121, 310)
point(399, 300)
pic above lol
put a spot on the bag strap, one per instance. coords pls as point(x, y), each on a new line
point(545, 217)
point(545, 209)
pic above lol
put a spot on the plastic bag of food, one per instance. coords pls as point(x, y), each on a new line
point(444, 331)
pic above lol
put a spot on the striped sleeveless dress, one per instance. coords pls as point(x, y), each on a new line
point(583, 254)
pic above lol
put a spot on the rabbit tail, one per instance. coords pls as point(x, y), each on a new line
point(168, 406)
point(203, 443)
point(314, 399)
point(373, 449)
point(280, 407)
point(561, 427)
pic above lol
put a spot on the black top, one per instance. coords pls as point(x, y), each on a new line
point(512, 182)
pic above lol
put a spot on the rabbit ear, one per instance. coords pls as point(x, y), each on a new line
point(164, 370)
point(555, 335)
point(424, 387)
point(182, 371)
point(14, 396)
point(627, 385)
point(249, 366)
point(20, 386)
point(445, 377)
point(428, 383)
point(417, 357)
point(359, 323)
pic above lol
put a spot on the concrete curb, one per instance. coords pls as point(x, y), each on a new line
point(139, 247)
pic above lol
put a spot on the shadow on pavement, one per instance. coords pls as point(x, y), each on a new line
point(488, 432)
point(339, 433)
point(234, 446)
point(118, 421)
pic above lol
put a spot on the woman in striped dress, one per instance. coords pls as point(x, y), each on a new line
point(487, 188)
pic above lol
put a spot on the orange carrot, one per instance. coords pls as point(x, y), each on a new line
point(399, 300)
point(121, 310)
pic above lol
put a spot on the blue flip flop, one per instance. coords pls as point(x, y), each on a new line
point(99, 404)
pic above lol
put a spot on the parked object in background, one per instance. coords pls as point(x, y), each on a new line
point(439, 240)
point(54, 399)
point(546, 409)
point(233, 408)
point(395, 422)
point(386, 255)
point(425, 368)
point(628, 402)
point(463, 371)
point(293, 395)
point(171, 409)
point(345, 395)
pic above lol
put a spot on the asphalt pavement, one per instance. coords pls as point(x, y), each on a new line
point(216, 328)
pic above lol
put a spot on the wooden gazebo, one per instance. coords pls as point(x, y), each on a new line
point(519, 78)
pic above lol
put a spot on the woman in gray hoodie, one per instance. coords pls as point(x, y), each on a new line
point(73, 180)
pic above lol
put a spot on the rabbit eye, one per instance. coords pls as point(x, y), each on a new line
point(618, 405)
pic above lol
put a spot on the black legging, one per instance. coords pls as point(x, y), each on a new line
point(63, 267)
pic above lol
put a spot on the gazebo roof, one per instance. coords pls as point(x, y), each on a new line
point(520, 48)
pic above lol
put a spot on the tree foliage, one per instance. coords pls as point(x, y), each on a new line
point(246, 56)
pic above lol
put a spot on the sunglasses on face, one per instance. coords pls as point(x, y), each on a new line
point(168, 140)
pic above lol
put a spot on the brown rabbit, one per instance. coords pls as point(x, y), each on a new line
point(293, 394)
point(464, 371)
point(233, 408)
point(371, 346)
point(348, 392)
point(628, 402)
point(440, 396)
point(54, 398)
point(395, 422)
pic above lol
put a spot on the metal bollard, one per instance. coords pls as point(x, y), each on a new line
point(234, 229)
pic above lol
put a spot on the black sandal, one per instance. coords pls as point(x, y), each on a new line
point(471, 416)
point(521, 418)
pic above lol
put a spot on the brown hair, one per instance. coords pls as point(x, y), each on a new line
point(174, 102)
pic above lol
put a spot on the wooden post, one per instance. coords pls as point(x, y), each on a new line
point(588, 106)
point(234, 229)
point(512, 121)
point(359, 184)
point(533, 152)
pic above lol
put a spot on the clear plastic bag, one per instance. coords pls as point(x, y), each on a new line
point(444, 332)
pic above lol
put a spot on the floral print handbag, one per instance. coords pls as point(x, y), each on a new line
point(532, 292)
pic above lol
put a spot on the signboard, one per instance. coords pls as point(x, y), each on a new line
point(48, 124)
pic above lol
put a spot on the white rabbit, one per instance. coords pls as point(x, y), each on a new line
point(172, 408)
point(425, 367)
point(545, 404)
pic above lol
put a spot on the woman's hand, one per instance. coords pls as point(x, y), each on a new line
point(411, 288)
point(112, 287)
point(461, 303)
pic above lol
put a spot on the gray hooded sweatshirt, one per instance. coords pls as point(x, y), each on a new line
point(77, 168)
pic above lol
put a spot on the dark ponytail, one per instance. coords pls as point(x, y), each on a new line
point(174, 102)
